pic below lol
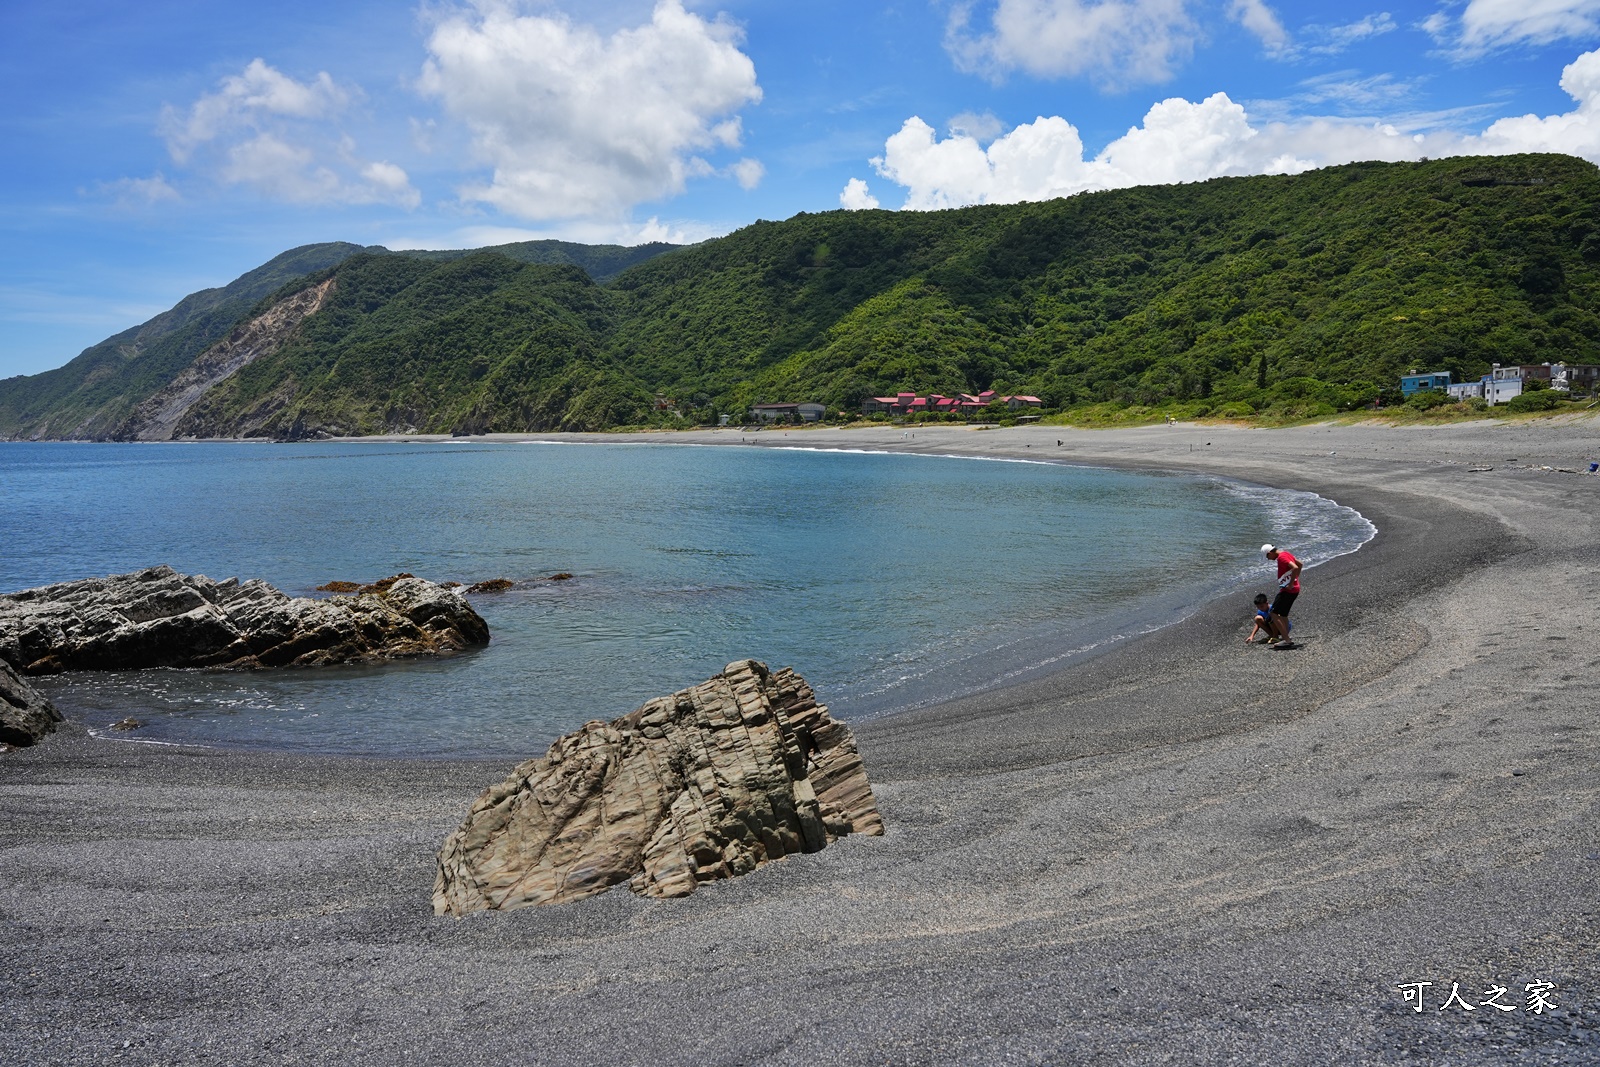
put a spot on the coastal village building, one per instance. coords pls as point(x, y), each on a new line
point(965, 403)
point(1575, 378)
point(1413, 382)
point(788, 412)
point(1504, 382)
point(1499, 390)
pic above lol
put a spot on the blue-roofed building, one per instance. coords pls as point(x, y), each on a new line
point(1411, 383)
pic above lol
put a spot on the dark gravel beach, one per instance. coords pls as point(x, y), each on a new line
point(1184, 850)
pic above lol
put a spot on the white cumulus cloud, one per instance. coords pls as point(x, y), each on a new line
point(855, 196)
point(1114, 42)
point(1489, 24)
point(1576, 132)
point(264, 130)
point(576, 124)
point(748, 173)
point(1183, 141)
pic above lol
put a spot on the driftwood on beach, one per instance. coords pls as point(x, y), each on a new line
point(708, 783)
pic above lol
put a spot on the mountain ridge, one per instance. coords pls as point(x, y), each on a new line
point(1300, 294)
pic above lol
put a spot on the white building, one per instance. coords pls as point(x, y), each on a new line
point(1498, 390)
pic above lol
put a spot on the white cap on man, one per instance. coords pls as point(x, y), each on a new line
point(1268, 550)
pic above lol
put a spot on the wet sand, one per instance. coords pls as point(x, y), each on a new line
point(1185, 850)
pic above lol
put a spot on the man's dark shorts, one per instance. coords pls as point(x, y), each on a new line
point(1283, 602)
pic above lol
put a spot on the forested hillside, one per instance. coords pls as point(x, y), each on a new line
point(1297, 294)
point(91, 396)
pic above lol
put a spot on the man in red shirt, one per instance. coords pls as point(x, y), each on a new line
point(1288, 589)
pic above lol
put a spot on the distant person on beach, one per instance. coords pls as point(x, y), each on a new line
point(1288, 589)
point(1262, 619)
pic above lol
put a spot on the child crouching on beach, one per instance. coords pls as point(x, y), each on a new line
point(1262, 620)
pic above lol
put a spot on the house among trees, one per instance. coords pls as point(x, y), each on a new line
point(962, 404)
point(788, 412)
point(1413, 382)
point(1502, 383)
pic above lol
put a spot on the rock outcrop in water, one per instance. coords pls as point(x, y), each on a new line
point(160, 618)
point(708, 783)
point(26, 715)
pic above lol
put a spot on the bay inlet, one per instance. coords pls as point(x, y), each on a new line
point(889, 580)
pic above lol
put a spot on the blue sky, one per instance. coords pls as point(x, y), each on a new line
point(152, 150)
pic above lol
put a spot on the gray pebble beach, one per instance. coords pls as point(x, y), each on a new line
point(1183, 850)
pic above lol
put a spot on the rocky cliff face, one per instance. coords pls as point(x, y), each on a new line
point(708, 783)
point(26, 715)
point(166, 414)
point(160, 618)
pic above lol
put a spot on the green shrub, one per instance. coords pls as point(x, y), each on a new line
point(1424, 399)
point(1543, 400)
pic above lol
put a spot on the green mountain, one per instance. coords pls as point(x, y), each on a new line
point(95, 394)
point(91, 395)
point(1302, 294)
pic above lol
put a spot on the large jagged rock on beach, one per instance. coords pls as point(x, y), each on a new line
point(708, 783)
point(160, 618)
point(26, 715)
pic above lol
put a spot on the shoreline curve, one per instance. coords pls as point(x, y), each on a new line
point(1184, 850)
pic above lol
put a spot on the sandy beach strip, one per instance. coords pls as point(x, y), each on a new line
point(1184, 850)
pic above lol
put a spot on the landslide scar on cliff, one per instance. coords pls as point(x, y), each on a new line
point(157, 419)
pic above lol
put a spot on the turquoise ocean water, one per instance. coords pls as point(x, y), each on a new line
point(888, 581)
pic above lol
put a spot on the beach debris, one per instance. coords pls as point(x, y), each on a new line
point(492, 585)
point(160, 618)
point(130, 723)
point(1478, 470)
point(563, 576)
point(26, 715)
point(708, 783)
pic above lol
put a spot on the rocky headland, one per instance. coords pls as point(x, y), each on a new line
point(708, 783)
point(160, 618)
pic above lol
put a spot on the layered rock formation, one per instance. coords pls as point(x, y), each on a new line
point(26, 715)
point(160, 618)
point(708, 783)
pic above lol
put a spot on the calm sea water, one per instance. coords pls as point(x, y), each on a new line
point(886, 580)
